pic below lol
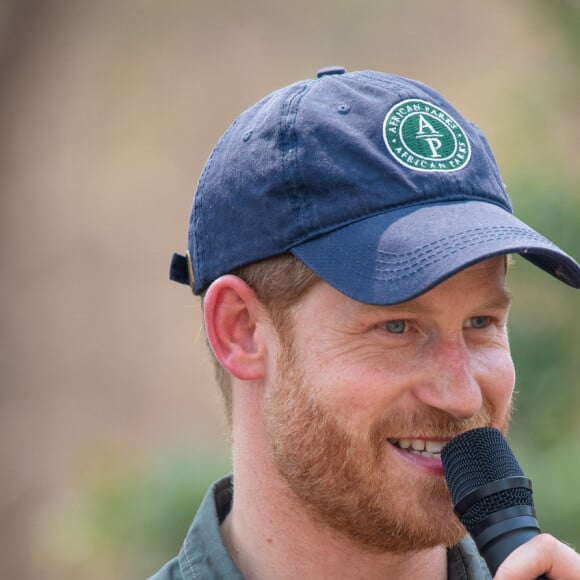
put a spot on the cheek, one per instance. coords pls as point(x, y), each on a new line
point(357, 393)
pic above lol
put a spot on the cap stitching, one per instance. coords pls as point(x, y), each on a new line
point(288, 119)
point(427, 255)
point(482, 234)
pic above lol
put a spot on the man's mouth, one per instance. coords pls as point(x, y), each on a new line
point(422, 447)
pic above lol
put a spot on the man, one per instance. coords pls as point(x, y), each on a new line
point(349, 238)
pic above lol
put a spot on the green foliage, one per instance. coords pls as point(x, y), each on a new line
point(556, 478)
point(128, 517)
point(564, 17)
point(545, 339)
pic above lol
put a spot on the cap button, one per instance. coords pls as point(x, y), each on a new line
point(330, 70)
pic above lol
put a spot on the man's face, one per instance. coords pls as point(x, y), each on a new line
point(358, 387)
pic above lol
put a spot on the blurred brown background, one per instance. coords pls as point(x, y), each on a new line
point(108, 111)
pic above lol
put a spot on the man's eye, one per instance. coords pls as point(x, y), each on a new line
point(479, 321)
point(396, 326)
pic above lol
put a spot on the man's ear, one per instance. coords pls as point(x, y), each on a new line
point(231, 311)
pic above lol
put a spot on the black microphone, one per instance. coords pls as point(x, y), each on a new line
point(490, 493)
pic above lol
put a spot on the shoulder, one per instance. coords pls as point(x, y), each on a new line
point(203, 554)
point(171, 571)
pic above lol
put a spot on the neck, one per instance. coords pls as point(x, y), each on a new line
point(270, 535)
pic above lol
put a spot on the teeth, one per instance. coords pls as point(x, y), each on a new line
point(433, 446)
point(420, 446)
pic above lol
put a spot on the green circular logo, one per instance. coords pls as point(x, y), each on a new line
point(422, 136)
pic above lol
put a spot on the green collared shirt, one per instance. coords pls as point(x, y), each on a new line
point(204, 556)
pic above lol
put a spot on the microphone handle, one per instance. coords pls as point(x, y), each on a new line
point(496, 542)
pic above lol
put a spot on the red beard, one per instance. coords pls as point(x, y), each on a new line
point(344, 479)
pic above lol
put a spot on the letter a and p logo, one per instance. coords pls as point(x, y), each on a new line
point(422, 136)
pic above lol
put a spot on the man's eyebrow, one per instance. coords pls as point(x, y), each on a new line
point(501, 300)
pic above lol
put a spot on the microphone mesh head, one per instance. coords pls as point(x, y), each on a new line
point(475, 458)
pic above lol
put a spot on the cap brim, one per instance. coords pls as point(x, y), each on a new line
point(395, 256)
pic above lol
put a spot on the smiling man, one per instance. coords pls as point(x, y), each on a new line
point(349, 237)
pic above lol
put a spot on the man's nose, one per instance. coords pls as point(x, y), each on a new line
point(450, 383)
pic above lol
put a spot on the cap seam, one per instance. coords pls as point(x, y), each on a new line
point(433, 201)
point(291, 167)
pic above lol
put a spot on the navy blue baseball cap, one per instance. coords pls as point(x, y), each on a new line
point(374, 181)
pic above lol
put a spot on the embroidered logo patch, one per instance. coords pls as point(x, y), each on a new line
point(424, 137)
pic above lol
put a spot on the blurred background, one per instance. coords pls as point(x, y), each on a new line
point(111, 427)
